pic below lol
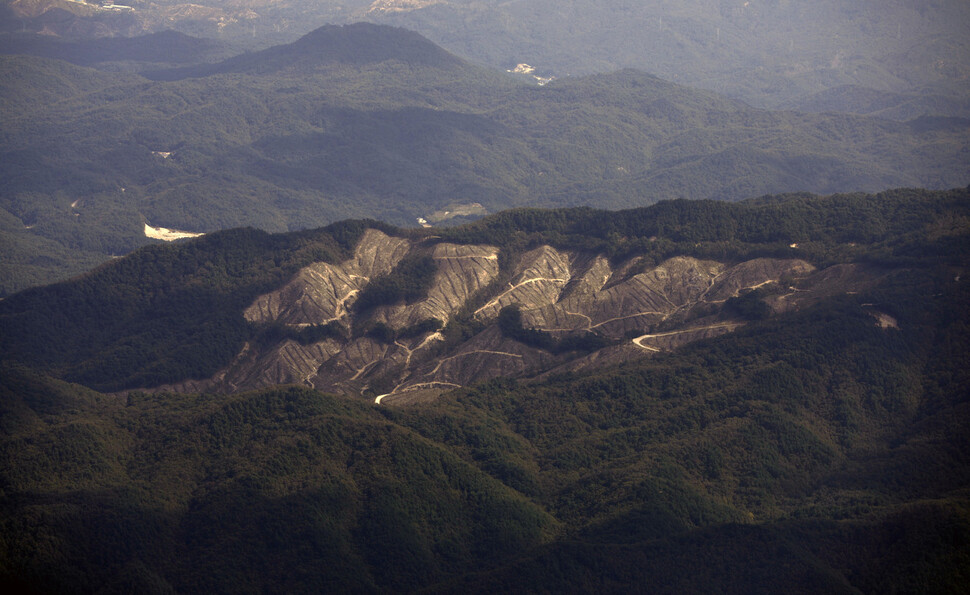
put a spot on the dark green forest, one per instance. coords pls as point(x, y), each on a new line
point(408, 282)
point(367, 121)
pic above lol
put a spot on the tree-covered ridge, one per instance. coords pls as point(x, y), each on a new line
point(366, 121)
point(891, 225)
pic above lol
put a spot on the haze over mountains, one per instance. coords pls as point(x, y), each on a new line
point(910, 54)
point(371, 121)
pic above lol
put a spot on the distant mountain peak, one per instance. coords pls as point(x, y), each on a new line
point(354, 44)
point(361, 43)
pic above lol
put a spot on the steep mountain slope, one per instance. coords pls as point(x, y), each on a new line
point(368, 121)
point(821, 446)
point(561, 293)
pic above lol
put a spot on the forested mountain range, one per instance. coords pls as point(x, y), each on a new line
point(906, 57)
point(576, 381)
point(371, 121)
point(814, 443)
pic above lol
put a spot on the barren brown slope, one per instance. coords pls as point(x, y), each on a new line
point(635, 310)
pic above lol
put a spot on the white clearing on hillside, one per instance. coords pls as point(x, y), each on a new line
point(884, 320)
point(168, 235)
point(522, 69)
point(399, 6)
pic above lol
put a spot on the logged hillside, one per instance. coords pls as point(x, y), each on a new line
point(819, 447)
point(363, 308)
point(368, 121)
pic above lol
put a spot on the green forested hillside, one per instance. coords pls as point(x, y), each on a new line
point(282, 491)
point(814, 451)
point(367, 121)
